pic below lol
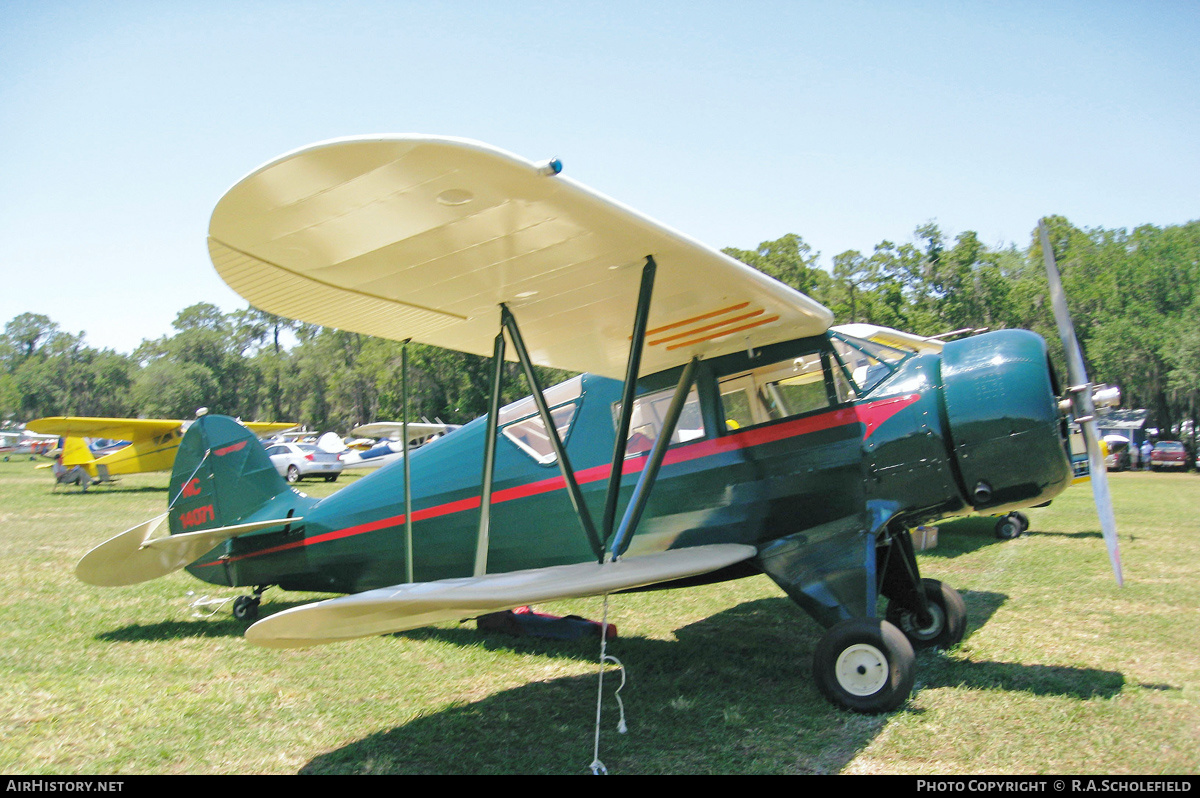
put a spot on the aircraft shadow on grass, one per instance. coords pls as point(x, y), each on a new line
point(174, 630)
point(206, 622)
point(103, 489)
point(732, 693)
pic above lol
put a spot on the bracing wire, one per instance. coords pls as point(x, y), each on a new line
point(189, 479)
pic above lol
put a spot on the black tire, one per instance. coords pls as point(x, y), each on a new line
point(865, 665)
point(947, 609)
point(245, 608)
point(331, 478)
point(1008, 528)
point(293, 474)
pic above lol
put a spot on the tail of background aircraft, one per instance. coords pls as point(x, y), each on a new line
point(75, 452)
point(222, 477)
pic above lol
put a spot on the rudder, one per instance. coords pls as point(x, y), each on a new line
point(75, 452)
point(221, 477)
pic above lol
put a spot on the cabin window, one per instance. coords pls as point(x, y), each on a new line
point(649, 414)
point(521, 423)
point(788, 388)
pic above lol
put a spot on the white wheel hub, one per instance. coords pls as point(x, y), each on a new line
point(861, 669)
point(937, 621)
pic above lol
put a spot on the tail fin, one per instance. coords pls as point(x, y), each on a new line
point(75, 452)
point(223, 486)
point(222, 476)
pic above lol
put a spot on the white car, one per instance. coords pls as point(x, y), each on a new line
point(295, 461)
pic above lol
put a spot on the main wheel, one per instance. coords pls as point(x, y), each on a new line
point(245, 608)
point(948, 617)
point(1008, 527)
point(865, 665)
point(293, 474)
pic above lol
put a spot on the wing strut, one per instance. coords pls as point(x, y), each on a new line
point(637, 341)
point(509, 323)
point(408, 538)
point(489, 457)
point(641, 491)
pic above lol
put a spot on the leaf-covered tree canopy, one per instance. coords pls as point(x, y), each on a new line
point(1134, 297)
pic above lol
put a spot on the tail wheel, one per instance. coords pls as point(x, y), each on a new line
point(865, 665)
point(947, 617)
point(245, 608)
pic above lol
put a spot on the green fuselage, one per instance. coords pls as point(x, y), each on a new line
point(974, 429)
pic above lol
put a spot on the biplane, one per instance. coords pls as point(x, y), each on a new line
point(716, 427)
point(149, 444)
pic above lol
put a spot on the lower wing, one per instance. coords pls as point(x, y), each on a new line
point(411, 606)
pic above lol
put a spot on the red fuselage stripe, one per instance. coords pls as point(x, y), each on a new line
point(871, 416)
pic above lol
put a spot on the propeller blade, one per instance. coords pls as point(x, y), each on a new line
point(1084, 405)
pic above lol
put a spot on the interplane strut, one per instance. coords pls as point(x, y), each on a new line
point(597, 538)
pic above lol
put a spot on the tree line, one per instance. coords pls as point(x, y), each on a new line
point(1134, 298)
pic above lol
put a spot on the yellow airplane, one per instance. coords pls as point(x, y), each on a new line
point(152, 445)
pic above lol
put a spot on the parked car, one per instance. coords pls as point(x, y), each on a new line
point(295, 461)
point(1118, 458)
point(1168, 454)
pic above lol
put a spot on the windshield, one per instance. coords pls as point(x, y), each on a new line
point(869, 363)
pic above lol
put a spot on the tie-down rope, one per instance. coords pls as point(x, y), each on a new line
point(597, 767)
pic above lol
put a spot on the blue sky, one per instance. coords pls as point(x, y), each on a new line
point(848, 123)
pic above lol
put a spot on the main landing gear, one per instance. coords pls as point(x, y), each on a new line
point(865, 665)
point(942, 627)
point(1011, 526)
point(868, 665)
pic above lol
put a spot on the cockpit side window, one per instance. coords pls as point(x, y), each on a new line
point(792, 387)
point(521, 423)
point(649, 414)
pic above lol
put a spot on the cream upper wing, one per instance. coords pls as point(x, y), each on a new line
point(423, 238)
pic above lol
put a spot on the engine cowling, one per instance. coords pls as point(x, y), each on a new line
point(1005, 429)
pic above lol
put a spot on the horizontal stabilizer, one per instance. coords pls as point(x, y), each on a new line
point(411, 606)
point(136, 555)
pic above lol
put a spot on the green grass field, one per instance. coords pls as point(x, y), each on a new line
point(1061, 672)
